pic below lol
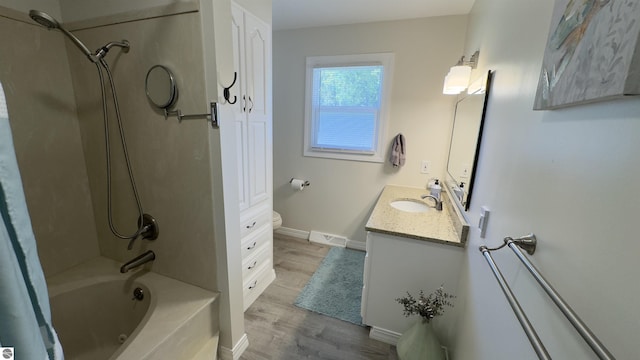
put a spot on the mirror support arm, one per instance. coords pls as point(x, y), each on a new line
point(212, 116)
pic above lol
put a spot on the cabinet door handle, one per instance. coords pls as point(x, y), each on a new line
point(252, 245)
point(250, 104)
point(251, 226)
point(253, 285)
point(255, 262)
point(244, 103)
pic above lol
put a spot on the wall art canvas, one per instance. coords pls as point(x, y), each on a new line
point(592, 53)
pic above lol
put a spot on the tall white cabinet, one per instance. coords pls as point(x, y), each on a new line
point(253, 131)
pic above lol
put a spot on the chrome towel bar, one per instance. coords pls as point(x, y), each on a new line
point(528, 243)
point(538, 347)
point(573, 318)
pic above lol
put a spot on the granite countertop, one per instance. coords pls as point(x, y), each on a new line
point(433, 225)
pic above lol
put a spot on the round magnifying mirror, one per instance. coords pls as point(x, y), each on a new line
point(161, 87)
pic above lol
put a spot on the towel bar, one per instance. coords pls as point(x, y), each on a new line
point(573, 318)
point(528, 243)
point(538, 347)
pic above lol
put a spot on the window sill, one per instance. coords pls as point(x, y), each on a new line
point(376, 158)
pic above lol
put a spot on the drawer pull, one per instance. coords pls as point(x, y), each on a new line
point(253, 285)
point(252, 245)
point(251, 226)
point(255, 262)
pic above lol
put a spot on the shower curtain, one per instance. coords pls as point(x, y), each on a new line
point(25, 315)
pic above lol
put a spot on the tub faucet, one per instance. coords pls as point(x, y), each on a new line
point(438, 201)
point(138, 261)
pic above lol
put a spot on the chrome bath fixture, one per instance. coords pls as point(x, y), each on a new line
point(529, 243)
point(50, 23)
point(438, 201)
point(138, 261)
point(162, 91)
point(147, 225)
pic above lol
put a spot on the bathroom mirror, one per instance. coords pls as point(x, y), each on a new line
point(161, 88)
point(465, 139)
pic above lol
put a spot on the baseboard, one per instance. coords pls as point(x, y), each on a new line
point(306, 235)
point(295, 233)
point(357, 245)
point(237, 351)
point(384, 335)
point(327, 239)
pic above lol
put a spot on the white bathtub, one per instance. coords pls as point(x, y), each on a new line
point(97, 318)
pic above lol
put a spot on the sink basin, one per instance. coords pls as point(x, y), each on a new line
point(409, 205)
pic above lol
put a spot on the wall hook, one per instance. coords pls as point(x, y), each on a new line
point(227, 94)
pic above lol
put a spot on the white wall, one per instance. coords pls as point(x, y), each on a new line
point(77, 10)
point(342, 193)
point(50, 7)
point(568, 176)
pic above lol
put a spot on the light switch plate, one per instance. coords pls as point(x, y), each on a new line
point(484, 220)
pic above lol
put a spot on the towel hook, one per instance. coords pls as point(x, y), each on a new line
point(227, 93)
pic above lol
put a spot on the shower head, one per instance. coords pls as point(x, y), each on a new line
point(49, 22)
point(44, 19)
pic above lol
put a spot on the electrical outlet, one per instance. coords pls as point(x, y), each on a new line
point(425, 167)
point(465, 170)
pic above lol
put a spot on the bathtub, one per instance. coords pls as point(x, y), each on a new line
point(98, 316)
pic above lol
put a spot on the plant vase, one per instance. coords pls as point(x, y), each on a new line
point(419, 342)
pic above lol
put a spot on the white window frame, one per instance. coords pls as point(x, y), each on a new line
point(377, 59)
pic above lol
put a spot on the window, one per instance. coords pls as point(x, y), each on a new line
point(346, 106)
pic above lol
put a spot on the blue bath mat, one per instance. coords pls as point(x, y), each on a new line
point(335, 289)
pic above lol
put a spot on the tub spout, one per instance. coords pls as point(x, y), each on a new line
point(138, 261)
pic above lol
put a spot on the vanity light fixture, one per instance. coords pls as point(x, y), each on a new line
point(457, 79)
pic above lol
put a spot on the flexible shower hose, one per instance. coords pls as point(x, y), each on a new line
point(105, 116)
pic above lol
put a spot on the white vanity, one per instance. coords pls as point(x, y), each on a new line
point(408, 251)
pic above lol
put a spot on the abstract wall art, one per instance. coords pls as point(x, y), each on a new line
point(592, 53)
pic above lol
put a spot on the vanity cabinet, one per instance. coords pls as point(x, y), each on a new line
point(253, 130)
point(394, 265)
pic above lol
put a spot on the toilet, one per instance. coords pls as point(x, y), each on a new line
point(277, 221)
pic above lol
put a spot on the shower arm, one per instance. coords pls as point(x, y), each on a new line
point(102, 52)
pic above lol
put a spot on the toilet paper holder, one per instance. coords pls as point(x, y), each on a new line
point(306, 183)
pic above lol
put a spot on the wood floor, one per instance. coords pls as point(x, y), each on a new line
point(279, 330)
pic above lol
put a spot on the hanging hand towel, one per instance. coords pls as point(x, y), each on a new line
point(398, 148)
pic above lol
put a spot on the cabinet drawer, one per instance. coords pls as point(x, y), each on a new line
point(256, 240)
point(253, 220)
point(256, 285)
point(256, 261)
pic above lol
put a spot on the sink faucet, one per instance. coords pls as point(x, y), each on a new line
point(438, 201)
point(138, 261)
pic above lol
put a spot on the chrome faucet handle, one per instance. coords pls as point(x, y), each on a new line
point(436, 199)
point(148, 231)
point(130, 246)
